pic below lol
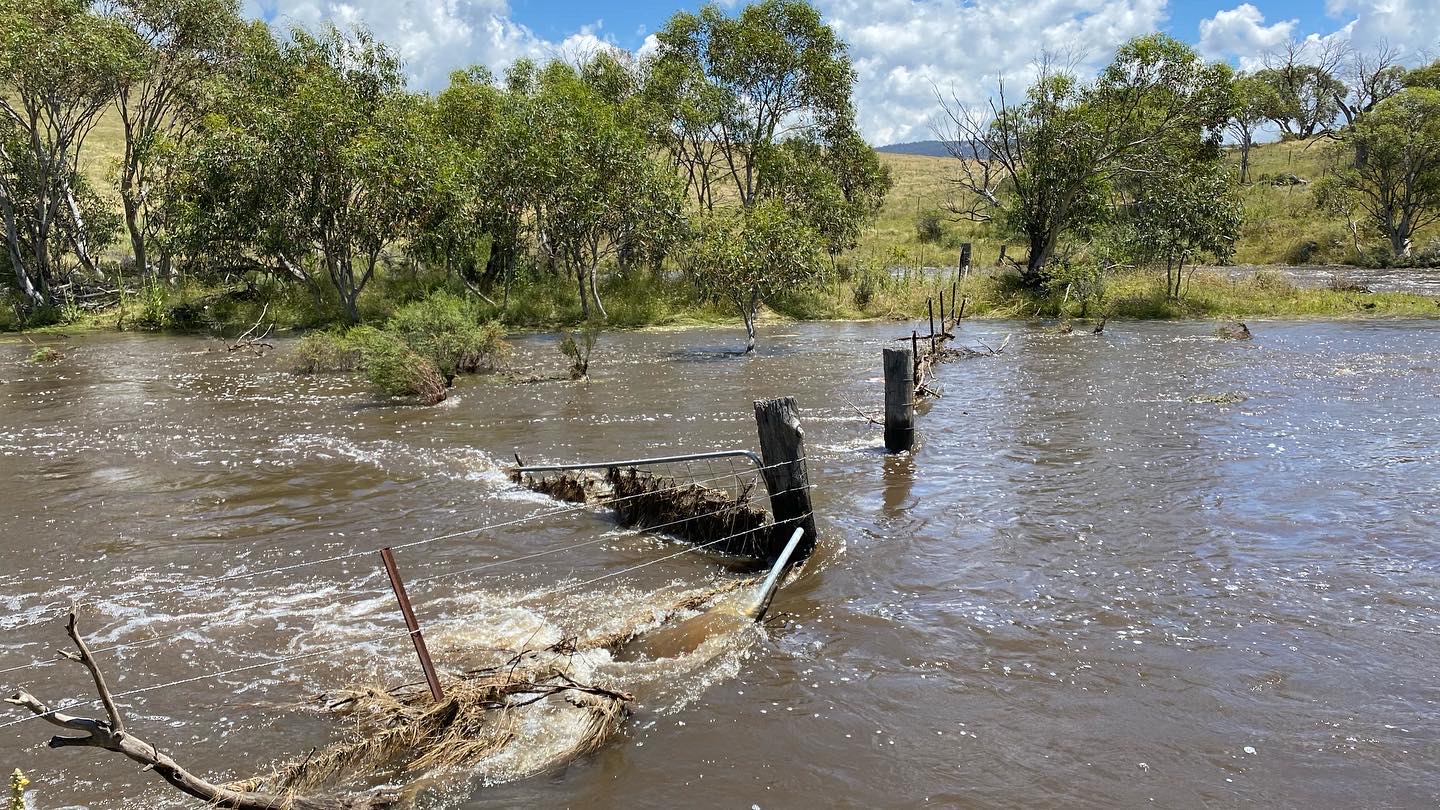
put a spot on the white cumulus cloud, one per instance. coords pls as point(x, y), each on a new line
point(434, 37)
point(905, 49)
point(1242, 32)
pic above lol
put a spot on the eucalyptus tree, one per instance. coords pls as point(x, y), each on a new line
point(737, 87)
point(1370, 76)
point(1252, 101)
point(61, 65)
point(598, 180)
point(185, 50)
point(1169, 219)
point(1307, 92)
point(325, 164)
point(1045, 167)
point(835, 189)
point(745, 256)
point(1397, 185)
point(490, 186)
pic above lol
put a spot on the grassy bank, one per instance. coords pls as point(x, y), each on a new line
point(912, 232)
point(646, 301)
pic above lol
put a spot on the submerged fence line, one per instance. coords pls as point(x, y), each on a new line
point(270, 664)
point(57, 611)
point(576, 508)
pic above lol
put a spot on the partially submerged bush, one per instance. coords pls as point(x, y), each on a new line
point(447, 329)
point(46, 354)
point(325, 353)
point(577, 349)
point(397, 370)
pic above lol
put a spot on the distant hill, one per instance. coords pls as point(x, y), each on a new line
point(926, 148)
point(922, 148)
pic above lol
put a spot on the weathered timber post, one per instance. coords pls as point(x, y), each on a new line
point(930, 302)
point(387, 557)
point(899, 401)
point(782, 454)
point(964, 259)
point(914, 354)
point(954, 296)
point(943, 327)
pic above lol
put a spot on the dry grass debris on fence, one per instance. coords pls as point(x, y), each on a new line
point(645, 500)
point(404, 731)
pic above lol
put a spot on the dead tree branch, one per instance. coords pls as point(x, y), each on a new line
point(110, 734)
point(250, 340)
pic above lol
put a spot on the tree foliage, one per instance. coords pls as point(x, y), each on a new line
point(1046, 167)
point(1389, 167)
point(758, 106)
point(185, 52)
point(60, 66)
point(325, 165)
point(744, 257)
point(1172, 218)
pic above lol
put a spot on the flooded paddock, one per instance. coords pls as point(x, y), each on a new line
point(1147, 567)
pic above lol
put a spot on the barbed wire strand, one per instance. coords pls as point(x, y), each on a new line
point(270, 664)
point(56, 610)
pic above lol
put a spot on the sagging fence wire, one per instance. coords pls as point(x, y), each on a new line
point(602, 539)
point(56, 611)
point(380, 593)
point(270, 664)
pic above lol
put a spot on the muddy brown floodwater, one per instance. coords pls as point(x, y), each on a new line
point(1148, 567)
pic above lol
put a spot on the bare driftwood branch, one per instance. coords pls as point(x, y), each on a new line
point(250, 340)
point(110, 734)
point(872, 420)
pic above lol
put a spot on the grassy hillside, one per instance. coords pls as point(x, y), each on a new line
point(1282, 225)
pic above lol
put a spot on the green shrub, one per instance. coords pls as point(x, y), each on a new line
point(930, 228)
point(447, 330)
point(865, 291)
point(399, 371)
point(325, 353)
point(152, 310)
point(10, 320)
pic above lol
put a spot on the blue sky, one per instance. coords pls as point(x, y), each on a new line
point(902, 49)
point(628, 22)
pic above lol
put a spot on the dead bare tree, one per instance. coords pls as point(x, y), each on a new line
point(1372, 76)
point(110, 734)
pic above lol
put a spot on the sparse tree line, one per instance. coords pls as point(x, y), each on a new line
point(1126, 170)
point(305, 157)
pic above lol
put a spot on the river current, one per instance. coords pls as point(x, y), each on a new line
point(1146, 568)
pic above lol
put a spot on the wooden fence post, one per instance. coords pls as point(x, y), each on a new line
point(899, 401)
point(1001, 260)
point(388, 558)
point(782, 453)
point(930, 302)
point(965, 260)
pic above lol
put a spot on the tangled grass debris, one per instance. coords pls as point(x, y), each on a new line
point(644, 500)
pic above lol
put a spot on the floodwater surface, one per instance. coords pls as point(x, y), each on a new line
point(1147, 567)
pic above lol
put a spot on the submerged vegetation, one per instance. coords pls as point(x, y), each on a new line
point(416, 355)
